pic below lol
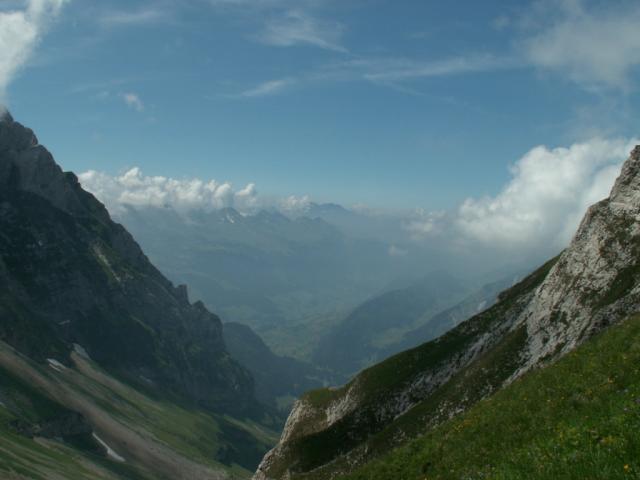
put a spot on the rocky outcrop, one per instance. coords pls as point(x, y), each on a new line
point(70, 275)
point(595, 282)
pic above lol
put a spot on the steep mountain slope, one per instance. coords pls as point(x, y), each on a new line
point(79, 422)
point(366, 335)
point(479, 300)
point(71, 275)
point(575, 419)
point(592, 284)
point(74, 283)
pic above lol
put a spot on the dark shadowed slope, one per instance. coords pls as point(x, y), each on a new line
point(71, 275)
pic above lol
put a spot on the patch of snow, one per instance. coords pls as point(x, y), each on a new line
point(110, 452)
point(56, 365)
point(79, 349)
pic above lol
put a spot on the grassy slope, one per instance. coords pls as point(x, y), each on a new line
point(576, 419)
point(319, 455)
point(134, 424)
point(23, 457)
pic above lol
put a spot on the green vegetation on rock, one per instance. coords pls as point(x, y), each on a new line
point(575, 419)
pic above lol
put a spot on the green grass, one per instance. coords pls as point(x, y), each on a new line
point(41, 460)
point(208, 439)
point(576, 419)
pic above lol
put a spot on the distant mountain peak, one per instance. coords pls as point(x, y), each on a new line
point(5, 115)
point(14, 135)
point(626, 189)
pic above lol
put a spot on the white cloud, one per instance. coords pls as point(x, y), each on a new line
point(140, 17)
point(428, 224)
point(595, 47)
point(133, 101)
point(20, 32)
point(397, 70)
point(545, 199)
point(271, 87)
point(294, 205)
point(296, 27)
point(287, 23)
point(135, 189)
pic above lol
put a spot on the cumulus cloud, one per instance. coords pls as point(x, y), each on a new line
point(135, 189)
point(20, 32)
point(294, 205)
point(596, 47)
point(132, 100)
point(549, 192)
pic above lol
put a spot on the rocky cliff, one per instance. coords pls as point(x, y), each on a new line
point(595, 282)
point(70, 275)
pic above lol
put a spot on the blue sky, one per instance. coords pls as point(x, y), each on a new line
point(392, 104)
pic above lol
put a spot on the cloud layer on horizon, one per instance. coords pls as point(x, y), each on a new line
point(137, 190)
point(538, 210)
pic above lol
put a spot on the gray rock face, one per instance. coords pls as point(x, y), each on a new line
point(69, 274)
point(595, 282)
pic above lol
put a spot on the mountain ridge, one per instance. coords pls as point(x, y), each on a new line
point(66, 263)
